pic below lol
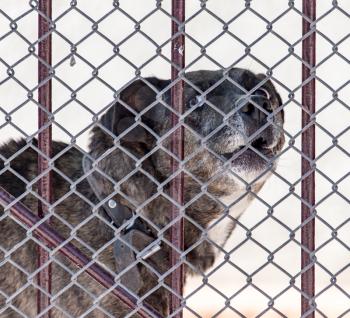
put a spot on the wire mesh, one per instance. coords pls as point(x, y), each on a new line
point(148, 151)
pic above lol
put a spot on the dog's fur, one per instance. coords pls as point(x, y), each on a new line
point(225, 182)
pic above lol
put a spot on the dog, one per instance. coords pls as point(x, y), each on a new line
point(233, 133)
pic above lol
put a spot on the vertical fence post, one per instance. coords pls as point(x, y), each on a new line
point(44, 144)
point(177, 145)
point(308, 149)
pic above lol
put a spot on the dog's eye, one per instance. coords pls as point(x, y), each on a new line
point(196, 101)
point(262, 92)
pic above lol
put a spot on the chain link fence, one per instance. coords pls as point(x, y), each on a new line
point(130, 213)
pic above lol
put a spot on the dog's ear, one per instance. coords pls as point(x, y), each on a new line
point(133, 99)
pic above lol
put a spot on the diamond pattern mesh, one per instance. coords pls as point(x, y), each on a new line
point(99, 50)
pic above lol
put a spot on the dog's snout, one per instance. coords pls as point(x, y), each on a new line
point(256, 111)
point(254, 115)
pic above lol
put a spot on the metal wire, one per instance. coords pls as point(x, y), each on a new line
point(171, 280)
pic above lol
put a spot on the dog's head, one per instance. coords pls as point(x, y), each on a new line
point(233, 124)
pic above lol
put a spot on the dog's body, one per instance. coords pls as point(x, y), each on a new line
point(211, 186)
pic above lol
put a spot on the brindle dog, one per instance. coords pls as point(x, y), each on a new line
point(215, 176)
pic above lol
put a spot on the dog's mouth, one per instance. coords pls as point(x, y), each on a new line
point(258, 150)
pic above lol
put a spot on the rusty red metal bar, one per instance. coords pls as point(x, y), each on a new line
point(53, 239)
point(308, 149)
point(177, 148)
point(44, 144)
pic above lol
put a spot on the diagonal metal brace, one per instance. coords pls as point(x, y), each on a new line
point(53, 239)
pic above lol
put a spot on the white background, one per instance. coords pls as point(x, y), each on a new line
point(226, 51)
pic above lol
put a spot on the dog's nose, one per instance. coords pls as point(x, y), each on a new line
point(254, 115)
point(256, 111)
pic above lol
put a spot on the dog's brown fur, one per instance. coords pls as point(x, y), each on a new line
point(74, 217)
